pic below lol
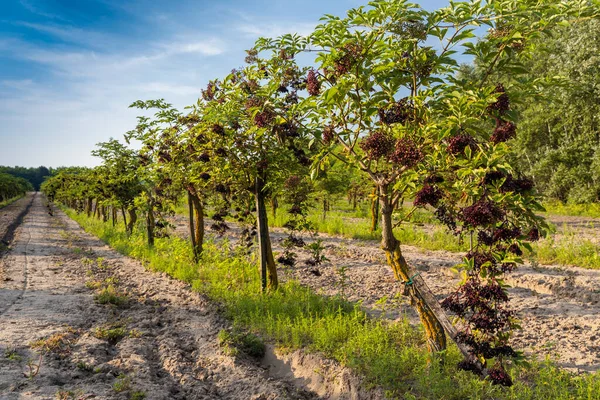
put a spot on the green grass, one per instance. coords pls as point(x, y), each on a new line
point(344, 221)
point(236, 342)
point(10, 201)
point(392, 355)
point(583, 210)
point(571, 250)
point(349, 224)
point(111, 332)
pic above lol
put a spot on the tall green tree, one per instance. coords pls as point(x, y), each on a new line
point(558, 142)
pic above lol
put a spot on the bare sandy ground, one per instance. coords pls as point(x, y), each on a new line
point(559, 307)
point(168, 349)
point(9, 219)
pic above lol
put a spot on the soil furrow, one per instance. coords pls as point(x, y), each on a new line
point(60, 338)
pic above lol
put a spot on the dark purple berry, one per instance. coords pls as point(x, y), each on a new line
point(218, 129)
point(493, 176)
point(515, 249)
point(378, 144)
point(499, 376)
point(433, 179)
point(428, 195)
point(264, 118)
point(406, 153)
point(502, 104)
point(457, 144)
point(505, 130)
point(328, 134)
point(481, 213)
point(313, 86)
point(398, 112)
point(533, 235)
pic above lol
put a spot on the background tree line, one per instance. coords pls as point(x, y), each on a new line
point(35, 176)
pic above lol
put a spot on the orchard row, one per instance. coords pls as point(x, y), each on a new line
point(378, 92)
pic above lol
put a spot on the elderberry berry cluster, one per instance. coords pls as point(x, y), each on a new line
point(481, 213)
point(349, 56)
point(406, 153)
point(377, 145)
point(505, 130)
point(428, 195)
point(457, 144)
point(264, 118)
point(328, 134)
point(313, 86)
point(502, 103)
point(398, 112)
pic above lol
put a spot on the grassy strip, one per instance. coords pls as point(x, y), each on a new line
point(582, 210)
point(571, 250)
point(389, 355)
point(10, 201)
point(355, 224)
point(340, 222)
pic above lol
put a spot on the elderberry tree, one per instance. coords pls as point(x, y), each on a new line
point(157, 135)
point(118, 174)
point(386, 100)
point(256, 109)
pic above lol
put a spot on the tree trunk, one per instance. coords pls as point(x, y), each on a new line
point(95, 208)
point(150, 225)
point(198, 224)
point(434, 331)
point(124, 217)
point(325, 208)
point(114, 215)
point(274, 206)
point(132, 220)
point(191, 225)
point(268, 269)
point(88, 206)
point(432, 315)
point(374, 211)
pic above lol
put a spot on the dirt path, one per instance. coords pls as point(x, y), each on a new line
point(559, 307)
point(162, 341)
point(10, 218)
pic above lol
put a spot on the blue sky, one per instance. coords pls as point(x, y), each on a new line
point(70, 68)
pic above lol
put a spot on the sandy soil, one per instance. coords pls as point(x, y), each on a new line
point(559, 307)
point(10, 217)
point(169, 349)
point(581, 227)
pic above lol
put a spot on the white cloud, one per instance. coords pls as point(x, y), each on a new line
point(33, 8)
point(71, 34)
point(208, 47)
point(274, 30)
point(19, 84)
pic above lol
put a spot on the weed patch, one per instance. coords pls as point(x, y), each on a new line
point(112, 332)
point(110, 295)
point(236, 342)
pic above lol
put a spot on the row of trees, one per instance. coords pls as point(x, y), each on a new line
point(35, 176)
point(11, 186)
point(384, 97)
